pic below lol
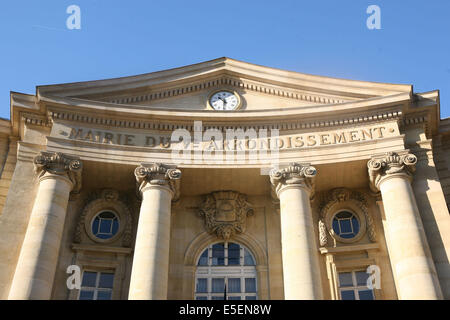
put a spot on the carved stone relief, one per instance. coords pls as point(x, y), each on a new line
point(344, 199)
point(225, 213)
point(106, 199)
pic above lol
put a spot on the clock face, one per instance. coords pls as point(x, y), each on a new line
point(224, 100)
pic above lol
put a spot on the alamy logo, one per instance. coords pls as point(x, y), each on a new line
point(74, 280)
point(74, 20)
point(374, 280)
point(228, 146)
point(374, 20)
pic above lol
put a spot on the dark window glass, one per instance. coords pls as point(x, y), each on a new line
point(361, 278)
point(218, 285)
point(250, 298)
point(234, 285)
point(234, 254)
point(234, 298)
point(345, 279)
point(248, 259)
point(203, 261)
point(348, 295)
point(105, 225)
point(104, 295)
point(86, 295)
point(345, 225)
point(89, 279)
point(218, 254)
point(202, 285)
point(365, 295)
point(106, 280)
point(250, 285)
point(201, 298)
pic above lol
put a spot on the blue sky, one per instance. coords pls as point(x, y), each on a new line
point(120, 38)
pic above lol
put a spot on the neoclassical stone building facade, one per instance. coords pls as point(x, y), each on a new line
point(225, 178)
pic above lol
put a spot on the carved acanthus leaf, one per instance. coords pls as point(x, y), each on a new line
point(390, 163)
point(295, 174)
point(59, 164)
point(159, 174)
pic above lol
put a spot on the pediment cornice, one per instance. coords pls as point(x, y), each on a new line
point(225, 70)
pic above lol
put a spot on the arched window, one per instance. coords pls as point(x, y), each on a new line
point(226, 271)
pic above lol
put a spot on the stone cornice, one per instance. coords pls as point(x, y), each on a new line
point(227, 66)
point(56, 163)
point(226, 81)
point(221, 124)
point(157, 174)
point(388, 165)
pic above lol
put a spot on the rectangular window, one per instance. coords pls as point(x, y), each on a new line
point(218, 285)
point(96, 285)
point(202, 285)
point(353, 286)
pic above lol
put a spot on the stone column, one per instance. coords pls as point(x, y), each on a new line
point(301, 273)
point(58, 175)
point(414, 270)
point(158, 184)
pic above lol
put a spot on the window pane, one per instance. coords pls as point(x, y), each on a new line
point(345, 226)
point(217, 298)
point(104, 295)
point(107, 215)
point(336, 226)
point(345, 279)
point(89, 279)
point(115, 226)
point(105, 226)
point(95, 224)
point(355, 225)
point(361, 278)
point(218, 285)
point(234, 285)
point(106, 280)
point(365, 295)
point(250, 285)
point(234, 298)
point(86, 295)
point(218, 255)
point(202, 285)
point(248, 259)
point(347, 295)
point(203, 261)
point(250, 298)
point(234, 254)
point(201, 298)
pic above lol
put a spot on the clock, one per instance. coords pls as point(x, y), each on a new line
point(224, 100)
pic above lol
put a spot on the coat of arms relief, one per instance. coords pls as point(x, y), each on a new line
point(225, 213)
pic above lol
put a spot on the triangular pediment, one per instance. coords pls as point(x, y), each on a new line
point(188, 87)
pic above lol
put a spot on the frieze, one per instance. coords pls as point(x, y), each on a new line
point(258, 141)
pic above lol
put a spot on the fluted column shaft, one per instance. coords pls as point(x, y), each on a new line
point(300, 256)
point(414, 270)
point(149, 275)
point(33, 279)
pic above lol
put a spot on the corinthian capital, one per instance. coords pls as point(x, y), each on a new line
point(158, 174)
point(296, 174)
point(389, 165)
point(58, 163)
